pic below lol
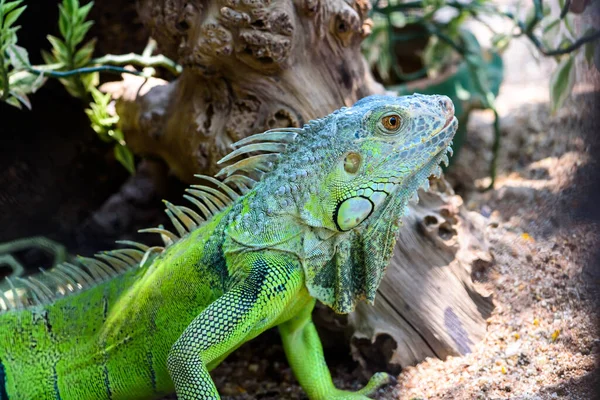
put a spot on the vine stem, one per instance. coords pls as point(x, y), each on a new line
point(85, 70)
point(140, 60)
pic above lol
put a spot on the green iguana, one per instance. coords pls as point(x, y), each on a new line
point(313, 216)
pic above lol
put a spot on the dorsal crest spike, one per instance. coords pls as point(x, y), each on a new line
point(284, 135)
point(81, 275)
point(188, 222)
point(42, 286)
point(207, 198)
point(225, 200)
point(178, 227)
point(131, 243)
point(122, 255)
point(15, 294)
point(114, 262)
point(260, 163)
point(203, 193)
point(167, 236)
point(207, 213)
point(62, 279)
point(77, 278)
point(249, 148)
point(155, 249)
point(134, 254)
point(105, 271)
point(226, 189)
point(244, 183)
point(38, 296)
point(198, 220)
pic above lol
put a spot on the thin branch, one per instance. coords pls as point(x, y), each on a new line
point(565, 9)
point(537, 16)
point(577, 44)
point(140, 60)
point(86, 70)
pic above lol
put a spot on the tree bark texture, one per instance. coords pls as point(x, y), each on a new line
point(252, 65)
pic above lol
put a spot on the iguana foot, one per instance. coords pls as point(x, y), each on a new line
point(376, 381)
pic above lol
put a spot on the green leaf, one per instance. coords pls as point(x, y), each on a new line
point(64, 23)
point(13, 102)
point(12, 17)
point(80, 31)
point(8, 7)
point(561, 82)
point(61, 51)
point(49, 58)
point(84, 54)
point(100, 98)
point(569, 20)
point(8, 37)
point(551, 28)
point(70, 6)
point(125, 157)
point(83, 12)
point(550, 33)
point(116, 134)
point(22, 97)
point(25, 81)
point(18, 57)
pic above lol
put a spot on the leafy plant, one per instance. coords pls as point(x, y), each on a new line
point(104, 123)
point(15, 82)
point(73, 28)
point(71, 62)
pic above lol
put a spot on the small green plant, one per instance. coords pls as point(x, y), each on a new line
point(72, 64)
point(104, 123)
point(15, 82)
point(65, 52)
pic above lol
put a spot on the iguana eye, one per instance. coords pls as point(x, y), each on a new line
point(391, 122)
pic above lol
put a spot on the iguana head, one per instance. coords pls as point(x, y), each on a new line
point(385, 148)
point(379, 152)
point(342, 184)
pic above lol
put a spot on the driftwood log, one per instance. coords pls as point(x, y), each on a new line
point(251, 65)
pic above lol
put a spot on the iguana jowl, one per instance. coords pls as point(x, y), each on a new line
point(314, 216)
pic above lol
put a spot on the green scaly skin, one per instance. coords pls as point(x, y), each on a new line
point(320, 225)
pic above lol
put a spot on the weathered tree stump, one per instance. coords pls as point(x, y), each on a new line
point(251, 65)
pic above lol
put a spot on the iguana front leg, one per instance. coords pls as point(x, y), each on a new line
point(305, 354)
point(241, 313)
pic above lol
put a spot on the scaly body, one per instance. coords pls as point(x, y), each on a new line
point(316, 219)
